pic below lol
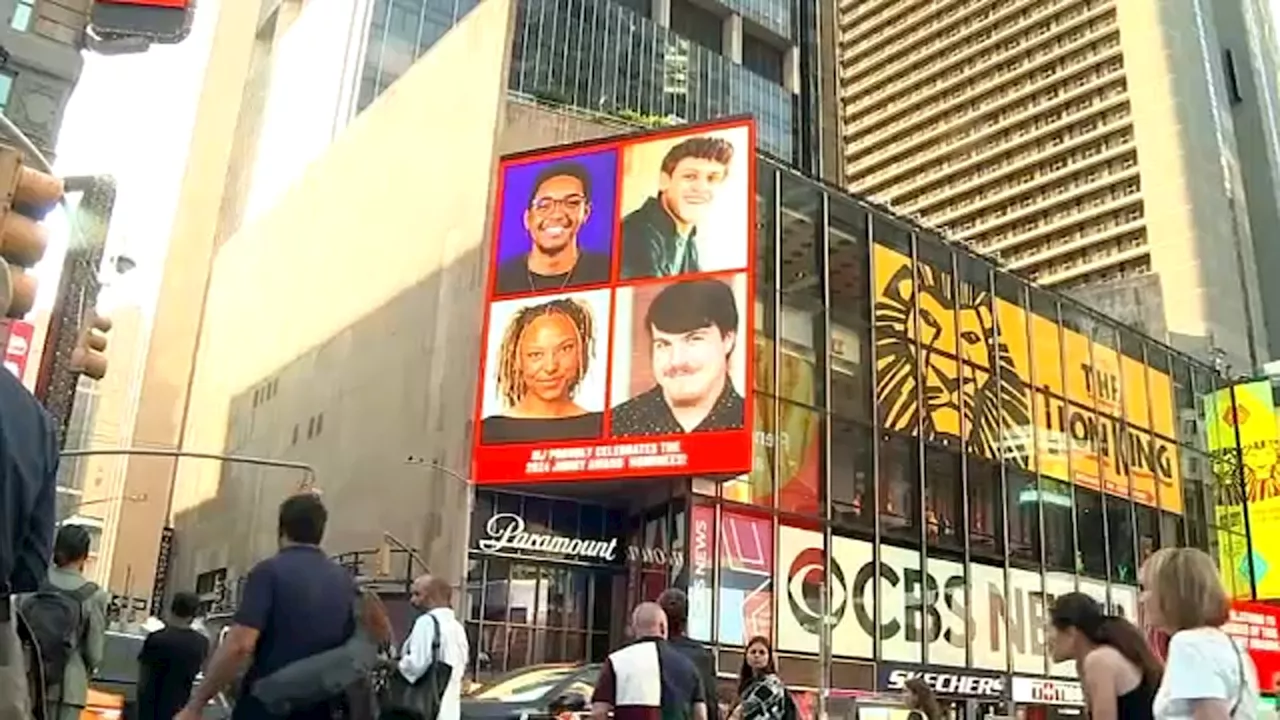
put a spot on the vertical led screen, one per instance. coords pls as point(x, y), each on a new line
point(746, 577)
point(1106, 423)
point(1254, 416)
point(617, 330)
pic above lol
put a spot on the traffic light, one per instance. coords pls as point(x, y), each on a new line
point(26, 196)
point(87, 358)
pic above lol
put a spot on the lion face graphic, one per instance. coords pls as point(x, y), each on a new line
point(924, 328)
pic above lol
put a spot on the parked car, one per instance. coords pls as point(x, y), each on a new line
point(536, 691)
point(113, 691)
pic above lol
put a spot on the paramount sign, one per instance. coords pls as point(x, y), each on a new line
point(506, 531)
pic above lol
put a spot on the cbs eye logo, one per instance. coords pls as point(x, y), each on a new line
point(804, 590)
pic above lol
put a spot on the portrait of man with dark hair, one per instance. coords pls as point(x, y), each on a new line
point(543, 357)
point(658, 238)
point(693, 329)
point(558, 206)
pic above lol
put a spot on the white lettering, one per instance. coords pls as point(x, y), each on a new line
point(506, 532)
point(948, 683)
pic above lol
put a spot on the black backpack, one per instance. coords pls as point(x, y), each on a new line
point(57, 622)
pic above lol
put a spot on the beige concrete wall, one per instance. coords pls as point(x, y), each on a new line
point(1174, 81)
point(167, 368)
point(355, 299)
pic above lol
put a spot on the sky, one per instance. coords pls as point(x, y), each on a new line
point(131, 116)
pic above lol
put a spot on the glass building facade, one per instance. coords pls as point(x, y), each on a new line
point(940, 449)
point(610, 57)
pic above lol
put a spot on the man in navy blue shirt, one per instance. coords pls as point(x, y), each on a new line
point(28, 472)
point(296, 604)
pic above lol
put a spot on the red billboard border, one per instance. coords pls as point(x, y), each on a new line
point(725, 439)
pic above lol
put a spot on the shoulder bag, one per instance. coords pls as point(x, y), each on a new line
point(419, 700)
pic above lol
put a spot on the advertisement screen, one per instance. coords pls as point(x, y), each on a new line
point(1254, 417)
point(1089, 415)
point(1256, 627)
point(957, 610)
point(617, 330)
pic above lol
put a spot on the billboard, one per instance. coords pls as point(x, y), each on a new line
point(616, 340)
point(1254, 416)
point(962, 612)
point(1256, 627)
point(1009, 385)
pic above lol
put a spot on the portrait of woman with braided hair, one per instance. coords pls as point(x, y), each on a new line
point(543, 383)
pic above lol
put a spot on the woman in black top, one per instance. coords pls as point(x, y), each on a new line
point(1119, 672)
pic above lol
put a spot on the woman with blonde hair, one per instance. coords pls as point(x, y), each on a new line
point(1206, 676)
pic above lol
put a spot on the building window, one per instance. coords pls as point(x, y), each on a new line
point(6, 89)
point(1233, 80)
point(23, 15)
point(899, 487)
point(986, 510)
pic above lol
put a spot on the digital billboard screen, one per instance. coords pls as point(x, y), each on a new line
point(619, 309)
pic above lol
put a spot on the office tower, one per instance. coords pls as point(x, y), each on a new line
point(1121, 151)
point(39, 64)
point(652, 61)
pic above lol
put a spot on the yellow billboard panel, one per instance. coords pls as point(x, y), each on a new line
point(1254, 417)
point(1086, 414)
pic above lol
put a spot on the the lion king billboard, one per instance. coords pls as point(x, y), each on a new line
point(1014, 385)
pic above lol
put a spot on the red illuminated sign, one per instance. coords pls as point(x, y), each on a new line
point(17, 348)
point(1257, 628)
point(175, 4)
point(617, 334)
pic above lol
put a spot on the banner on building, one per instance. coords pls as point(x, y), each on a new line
point(953, 612)
point(1254, 418)
point(616, 340)
point(1256, 628)
point(1018, 386)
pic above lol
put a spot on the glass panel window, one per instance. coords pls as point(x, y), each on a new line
point(23, 15)
point(800, 279)
point(1059, 531)
point(1024, 518)
point(852, 493)
point(899, 487)
point(944, 498)
point(986, 510)
point(1091, 534)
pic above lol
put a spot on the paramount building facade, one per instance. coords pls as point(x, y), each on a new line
point(940, 449)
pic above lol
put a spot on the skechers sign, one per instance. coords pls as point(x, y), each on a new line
point(954, 684)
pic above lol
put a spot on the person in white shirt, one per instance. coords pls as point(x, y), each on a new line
point(434, 596)
point(1207, 676)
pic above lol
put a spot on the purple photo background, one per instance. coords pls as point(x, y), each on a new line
point(596, 234)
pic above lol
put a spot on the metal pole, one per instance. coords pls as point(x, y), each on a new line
point(309, 472)
point(466, 530)
point(1243, 486)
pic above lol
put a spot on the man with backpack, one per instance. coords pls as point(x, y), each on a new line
point(28, 470)
point(67, 616)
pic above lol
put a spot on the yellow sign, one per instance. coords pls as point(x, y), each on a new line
point(1254, 415)
point(1013, 385)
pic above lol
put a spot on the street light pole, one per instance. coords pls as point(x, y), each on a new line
point(308, 472)
point(470, 488)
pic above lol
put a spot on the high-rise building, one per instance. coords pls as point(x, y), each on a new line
point(40, 62)
point(285, 77)
point(1122, 151)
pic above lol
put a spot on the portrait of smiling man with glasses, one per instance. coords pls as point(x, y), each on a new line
point(558, 207)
